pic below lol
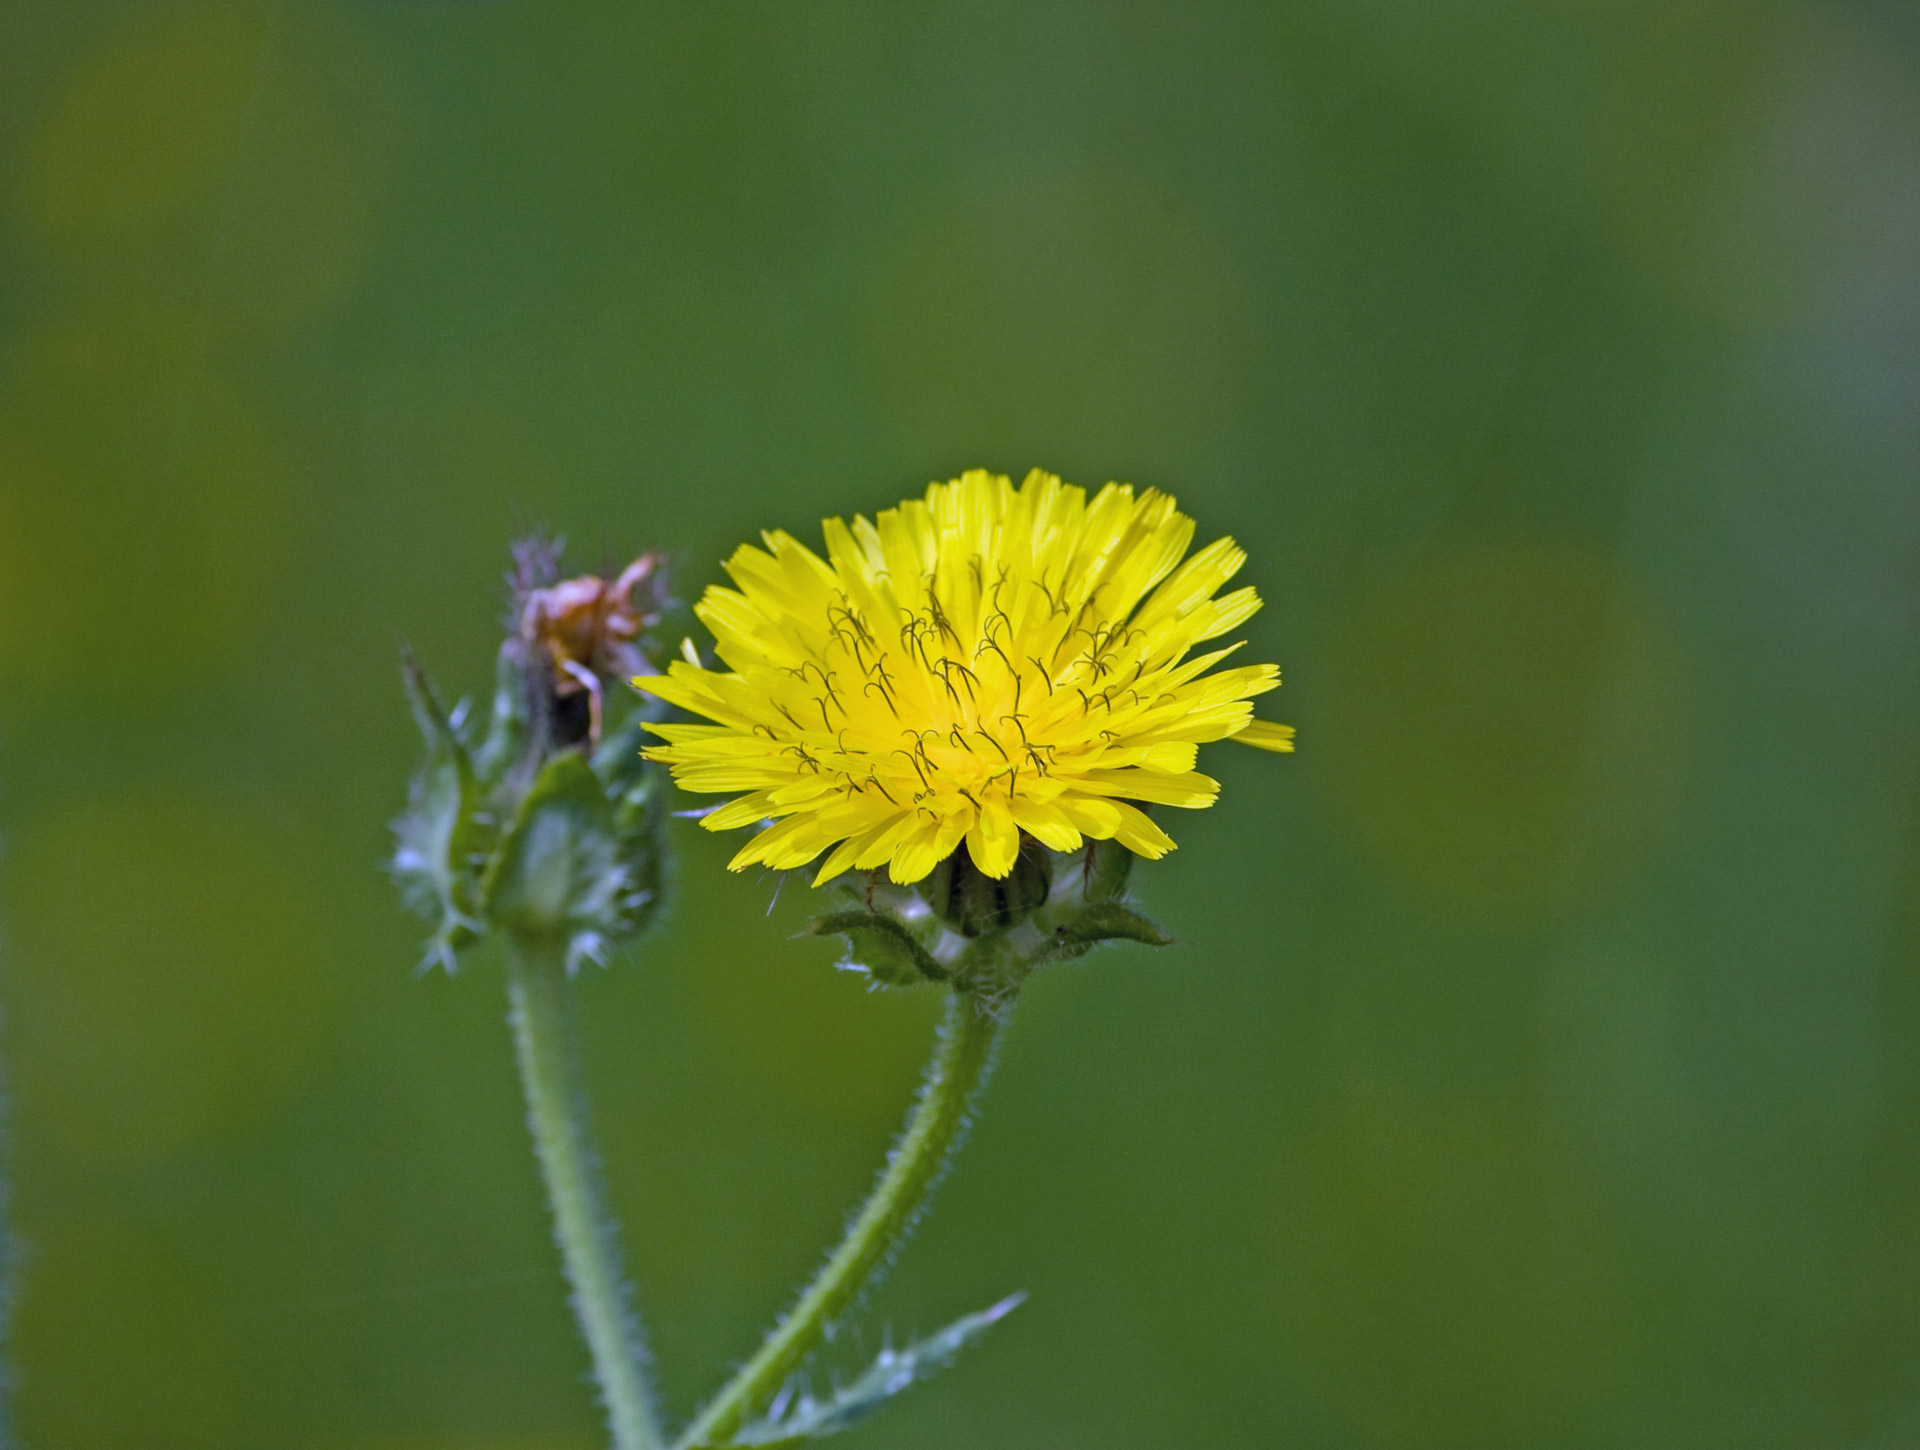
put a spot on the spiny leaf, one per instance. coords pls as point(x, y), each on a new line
point(893, 1371)
point(881, 947)
point(442, 834)
point(1083, 930)
point(1110, 921)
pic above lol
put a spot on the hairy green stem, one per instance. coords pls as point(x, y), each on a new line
point(546, 1040)
point(962, 1057)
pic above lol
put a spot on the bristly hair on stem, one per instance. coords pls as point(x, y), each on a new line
point(546, 1041)
point(962, 1060)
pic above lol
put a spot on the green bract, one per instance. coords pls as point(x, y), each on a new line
point(985, 936)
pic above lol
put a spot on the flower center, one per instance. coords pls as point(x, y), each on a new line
point(948, 704)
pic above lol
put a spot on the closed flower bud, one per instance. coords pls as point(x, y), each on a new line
point(544, 824)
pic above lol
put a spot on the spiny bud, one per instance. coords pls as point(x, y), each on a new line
point(544, 824)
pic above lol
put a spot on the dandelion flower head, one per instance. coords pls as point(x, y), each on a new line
point(983, 662)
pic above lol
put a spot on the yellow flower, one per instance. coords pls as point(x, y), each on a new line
point(981, 663)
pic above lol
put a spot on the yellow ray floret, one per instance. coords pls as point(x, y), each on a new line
point(986, 661)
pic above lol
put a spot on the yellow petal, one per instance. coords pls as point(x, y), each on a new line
point(1191, 791)
point(1174, 757)
point(1140, 835)
point(1046, 823)
point(879, 846)
point(1192, 583)
point(917, 854)
point(844, 854)
point(1229, 612)
point(741, 812)
point(994, 841)
point(777, 843)
point(1265, 735)
point(1092, 815)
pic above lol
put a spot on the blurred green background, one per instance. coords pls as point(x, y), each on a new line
point(1541, 1067)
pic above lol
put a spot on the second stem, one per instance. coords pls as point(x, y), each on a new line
point(546, 1041)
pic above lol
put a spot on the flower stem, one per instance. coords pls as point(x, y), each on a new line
point(546, 1041)
point(962, 1058)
